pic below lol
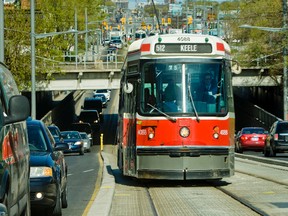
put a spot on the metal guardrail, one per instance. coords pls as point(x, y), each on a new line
point(109, 61)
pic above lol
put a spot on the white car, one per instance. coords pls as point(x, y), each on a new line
point(106, 92)
point(86, 141)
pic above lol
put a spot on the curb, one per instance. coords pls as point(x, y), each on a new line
point(102, 204)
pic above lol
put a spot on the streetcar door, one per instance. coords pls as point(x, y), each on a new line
point(130, 133)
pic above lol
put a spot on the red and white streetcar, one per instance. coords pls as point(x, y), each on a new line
point(176, 110)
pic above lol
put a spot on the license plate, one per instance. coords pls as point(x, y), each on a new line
point(254, 138)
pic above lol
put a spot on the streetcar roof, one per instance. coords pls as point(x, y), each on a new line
point(146, 46)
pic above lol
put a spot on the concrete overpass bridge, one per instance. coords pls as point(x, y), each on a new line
point(103, 75)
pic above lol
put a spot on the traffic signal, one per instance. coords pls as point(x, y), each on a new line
point(169, 20)
point(123, 20)
point(163, 20)
point(189, 20)
point(130, 20)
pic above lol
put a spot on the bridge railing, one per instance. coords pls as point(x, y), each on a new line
point(98, 62)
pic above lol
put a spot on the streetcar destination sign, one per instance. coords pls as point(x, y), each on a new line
point(183, 48)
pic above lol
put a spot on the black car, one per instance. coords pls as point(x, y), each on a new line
point(103, 99)
point(48, 170)
point(56, 133)
point(90, 116)
point(277, 139)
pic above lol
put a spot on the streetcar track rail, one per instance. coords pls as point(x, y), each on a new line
point(242, 194)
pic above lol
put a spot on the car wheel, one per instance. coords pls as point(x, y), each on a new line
point(81, 151)
point(58, 207)
point(238, 148)
point(64, 198)
point(272, 151)
point(266, 152)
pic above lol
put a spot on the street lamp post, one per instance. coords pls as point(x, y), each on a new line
point(35, 36)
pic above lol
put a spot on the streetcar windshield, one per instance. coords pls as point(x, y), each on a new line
point(188, 88)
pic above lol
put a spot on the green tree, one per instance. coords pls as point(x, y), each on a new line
point(254, 47)
point(50, 16)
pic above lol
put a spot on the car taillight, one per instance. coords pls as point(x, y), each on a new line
point(243, 138)
point(276, 136)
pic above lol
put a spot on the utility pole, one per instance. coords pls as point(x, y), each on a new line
point(285, 94)
point(33, 60)
point(2, 31)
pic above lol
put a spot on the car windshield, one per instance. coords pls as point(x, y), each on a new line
point(36, 139)
point(101, 91)
point(53, 131)
point(70, 135)
point(254, 131)
point(282, 128)
point(83, 135)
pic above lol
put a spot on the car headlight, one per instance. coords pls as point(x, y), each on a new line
point(78, 143)
point(40, 172)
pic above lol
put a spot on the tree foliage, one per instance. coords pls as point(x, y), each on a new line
point(255, 47)
point(50, 16)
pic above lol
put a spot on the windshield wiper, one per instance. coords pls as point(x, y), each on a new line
point(193, 105)
point(166, 115)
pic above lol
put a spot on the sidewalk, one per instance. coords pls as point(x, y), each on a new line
point(102, 203)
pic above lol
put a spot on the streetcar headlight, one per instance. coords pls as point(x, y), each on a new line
point(151, 133)
point(216, 132)
point(184, 132)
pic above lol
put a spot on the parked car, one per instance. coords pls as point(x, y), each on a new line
point(106, 92)
point(56, 133)
point(250, 138)
point(48, 170)
point(74, 140)
point(15, 154)
point(87, 141)
point(277, 139)
point(102, 98)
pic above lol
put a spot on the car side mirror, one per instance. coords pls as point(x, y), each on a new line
point(19, 109)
